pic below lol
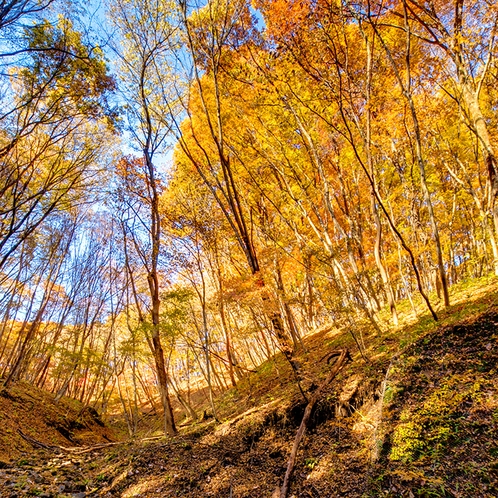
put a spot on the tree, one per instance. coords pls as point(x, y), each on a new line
point(450, 28)
point(47, 151)
point(138, 201)
point(147, 36)
point(212, 33)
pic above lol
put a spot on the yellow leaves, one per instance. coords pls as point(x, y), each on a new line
point(215, 13)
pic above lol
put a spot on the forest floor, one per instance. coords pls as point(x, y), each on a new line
point(419, 417)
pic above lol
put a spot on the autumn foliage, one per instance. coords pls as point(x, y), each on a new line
point(268, 169)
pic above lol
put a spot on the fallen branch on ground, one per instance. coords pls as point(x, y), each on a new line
point(74, 449)
point(34, 442)
point(342, 357)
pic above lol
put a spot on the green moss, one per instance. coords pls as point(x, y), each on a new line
point(427, 429)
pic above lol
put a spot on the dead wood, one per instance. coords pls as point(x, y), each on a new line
point(72, 449)
point(342, 357)
point(34, 442)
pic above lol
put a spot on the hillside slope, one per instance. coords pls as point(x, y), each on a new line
point(418, 418)
point(440, 427)
point(437, 434)
point(27, 412)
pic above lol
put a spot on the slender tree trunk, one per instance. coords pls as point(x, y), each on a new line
point(169, 422)
point(480, 129)
point(224, 324)
point(375, 212)
point(152, 279)
point(185, 402)
point(294, 332)
point(407, 90)
point(470, 95)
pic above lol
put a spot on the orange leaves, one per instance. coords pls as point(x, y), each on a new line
point(131, 172)
point(284, 18)
point(129, 168)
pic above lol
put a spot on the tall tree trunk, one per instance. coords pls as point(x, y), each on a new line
point(224, 324)
point(294, 332)
point(373, 205)
point(479, 127)
point(470, 95)
point(152, 278)
point(407, 90)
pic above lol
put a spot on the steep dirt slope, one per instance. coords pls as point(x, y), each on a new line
point(25, 410)
point(441, 414)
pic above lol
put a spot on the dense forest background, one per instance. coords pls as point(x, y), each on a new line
point(187, 189)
